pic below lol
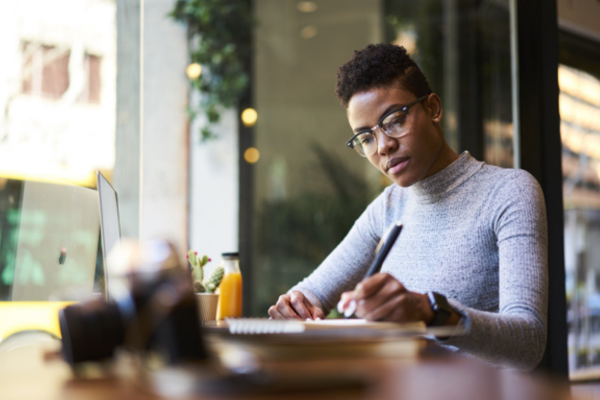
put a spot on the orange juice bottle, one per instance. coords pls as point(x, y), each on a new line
point(230, 290)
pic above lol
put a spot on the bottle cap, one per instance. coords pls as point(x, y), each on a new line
point(230, 255)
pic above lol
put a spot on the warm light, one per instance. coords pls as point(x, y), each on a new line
point(251, 155)
point(580, 113)
point(579, 84)
point(193, 71)
point(309, 32)
point(408, 39)
point(580, 141)
point(249, 117)
point(51, 175)
point(307, 6)
point(579, 104)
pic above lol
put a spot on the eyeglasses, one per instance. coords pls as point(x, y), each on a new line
point(394, 124)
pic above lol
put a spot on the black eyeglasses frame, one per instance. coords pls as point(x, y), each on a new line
point(404, 109)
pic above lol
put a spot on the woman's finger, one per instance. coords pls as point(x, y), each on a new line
point(285, 308)
point(373, 285)
point(395, 306)
point(297, 301)
point(390, 288)
point(274, 314)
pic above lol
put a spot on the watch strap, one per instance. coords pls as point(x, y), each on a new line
point(441, 308)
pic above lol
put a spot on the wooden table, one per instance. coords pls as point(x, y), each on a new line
point(25, 373)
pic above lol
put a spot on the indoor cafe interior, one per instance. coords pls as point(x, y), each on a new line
point(182, 217)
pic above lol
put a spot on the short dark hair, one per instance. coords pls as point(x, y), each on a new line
point(379, 65)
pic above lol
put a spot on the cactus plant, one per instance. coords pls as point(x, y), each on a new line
point(201, 284)
point(211, 284)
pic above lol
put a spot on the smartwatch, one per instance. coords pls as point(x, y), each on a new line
point(441, 308)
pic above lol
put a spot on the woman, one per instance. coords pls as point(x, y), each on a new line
point(473, 249)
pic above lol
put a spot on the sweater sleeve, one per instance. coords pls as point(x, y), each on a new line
point(346, 265)
point(515, 336)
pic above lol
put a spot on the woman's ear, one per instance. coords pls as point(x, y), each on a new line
point(433, 104)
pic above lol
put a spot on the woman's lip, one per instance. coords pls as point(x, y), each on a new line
point(398, 167)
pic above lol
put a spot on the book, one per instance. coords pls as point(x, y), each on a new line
point(268, 339)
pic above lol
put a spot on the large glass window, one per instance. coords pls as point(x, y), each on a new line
point(57, 126)
point(308, 187)
point(57, 89)
point(579, 101)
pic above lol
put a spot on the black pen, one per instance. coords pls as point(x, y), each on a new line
point(382, 250)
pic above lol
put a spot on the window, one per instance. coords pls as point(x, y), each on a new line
point(308, 188)
point(579, 101)
point(47, 73)
point(45, 70)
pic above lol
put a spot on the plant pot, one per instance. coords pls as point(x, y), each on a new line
point(207, 305)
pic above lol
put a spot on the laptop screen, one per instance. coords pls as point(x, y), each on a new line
point(49, 241)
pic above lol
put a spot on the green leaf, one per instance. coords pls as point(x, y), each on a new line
point(197, 273)
point(204, 261)
point(223, 28)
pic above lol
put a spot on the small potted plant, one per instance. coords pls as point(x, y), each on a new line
point(205, 286)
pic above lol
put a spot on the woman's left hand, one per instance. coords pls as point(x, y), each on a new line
point(382, 297)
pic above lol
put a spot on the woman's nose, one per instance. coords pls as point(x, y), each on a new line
point(385, 144)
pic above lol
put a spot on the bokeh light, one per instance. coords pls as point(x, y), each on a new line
point(307, 6)
point(249, 117)
point(251, 155)
point(309, 32)
point(193, 71)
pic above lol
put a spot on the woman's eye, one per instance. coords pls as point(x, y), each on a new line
point(396, 120)
point(366, 139)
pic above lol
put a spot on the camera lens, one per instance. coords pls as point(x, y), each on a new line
point(90, 331)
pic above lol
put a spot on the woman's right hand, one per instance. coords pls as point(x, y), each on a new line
point(295, 305)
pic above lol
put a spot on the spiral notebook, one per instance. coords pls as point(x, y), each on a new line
point(254, 326)
point(294, 339)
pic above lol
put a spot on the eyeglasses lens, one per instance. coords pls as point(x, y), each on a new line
point(365, 144)
point(396, 124)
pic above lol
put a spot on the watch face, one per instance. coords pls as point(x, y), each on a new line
point(441, 302)
point(440, 307)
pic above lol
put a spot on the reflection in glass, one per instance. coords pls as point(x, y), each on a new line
point(579, 103)
point(309, 189)
point(57, 124)
point(57, 89)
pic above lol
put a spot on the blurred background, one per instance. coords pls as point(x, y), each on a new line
point(119, 86)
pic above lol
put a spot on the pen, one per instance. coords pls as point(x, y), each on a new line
point(382, 250)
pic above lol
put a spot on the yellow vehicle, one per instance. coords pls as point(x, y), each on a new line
point(17, 316)
point(49, 253)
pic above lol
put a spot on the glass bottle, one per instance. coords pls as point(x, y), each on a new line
point(230, 290)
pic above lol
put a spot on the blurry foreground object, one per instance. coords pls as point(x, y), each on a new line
point(151, 310)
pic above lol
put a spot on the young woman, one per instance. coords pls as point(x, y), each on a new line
point(473, 249)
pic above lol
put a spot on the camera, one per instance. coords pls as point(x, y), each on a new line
point(151, 309)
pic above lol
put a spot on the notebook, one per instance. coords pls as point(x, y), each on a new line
point(253, 326)
point(269, 339)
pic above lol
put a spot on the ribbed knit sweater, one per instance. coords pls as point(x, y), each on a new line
point(473, 232)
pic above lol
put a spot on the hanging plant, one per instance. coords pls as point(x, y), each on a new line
point(219, 33)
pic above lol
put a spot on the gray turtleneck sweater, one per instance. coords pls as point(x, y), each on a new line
point(473, 232)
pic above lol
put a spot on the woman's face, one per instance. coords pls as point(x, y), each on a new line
point(418, 154)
